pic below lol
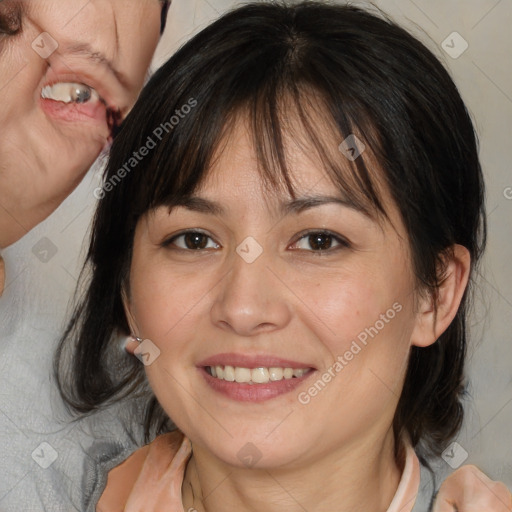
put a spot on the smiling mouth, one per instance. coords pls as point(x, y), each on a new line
point(260, 375)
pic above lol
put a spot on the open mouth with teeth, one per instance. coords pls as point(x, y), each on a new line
point(70, 93)
point(73, 101)
point(259, 375)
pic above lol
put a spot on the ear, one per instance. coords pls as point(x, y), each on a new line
point(430, 324)
point(131, 344)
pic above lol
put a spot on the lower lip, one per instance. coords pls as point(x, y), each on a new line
point(72, 112)
point(244, 392)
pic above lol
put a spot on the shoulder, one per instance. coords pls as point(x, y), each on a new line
point(122, 478)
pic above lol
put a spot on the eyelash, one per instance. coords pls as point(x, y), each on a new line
point(341, 242)
point(172, 240)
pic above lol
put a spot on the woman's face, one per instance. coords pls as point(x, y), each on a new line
point(261, 287)
point(95, 54)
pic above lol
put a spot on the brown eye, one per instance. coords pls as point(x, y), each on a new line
point(192, 241)
point(195, 240)
point(320, 241)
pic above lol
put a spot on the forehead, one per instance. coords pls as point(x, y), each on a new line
point(243, 165)
point(68, 15)
point(237, 169)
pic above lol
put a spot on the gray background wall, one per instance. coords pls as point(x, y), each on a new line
point(37, 294)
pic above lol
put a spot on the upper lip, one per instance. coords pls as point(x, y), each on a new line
point(252, 361)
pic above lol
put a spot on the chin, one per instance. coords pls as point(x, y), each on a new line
point(259, 454)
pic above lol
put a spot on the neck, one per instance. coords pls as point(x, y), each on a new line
point(362, 477)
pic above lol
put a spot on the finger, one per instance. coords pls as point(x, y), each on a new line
point(182, 455)
point(489, 494)
point(158, 487)
point(470, 490)
point(120, 481)
point(442, 505)
point(162, 452)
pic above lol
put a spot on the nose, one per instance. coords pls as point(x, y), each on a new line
point(250, 300)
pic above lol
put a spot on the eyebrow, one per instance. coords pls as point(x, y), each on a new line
point(301, 204)
point(199, 204)
point(93, 55)
point(298, 205)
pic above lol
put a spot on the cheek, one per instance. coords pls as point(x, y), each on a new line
point(365, 317)
point(165, 302)
point(21, 70)
point(368, 346)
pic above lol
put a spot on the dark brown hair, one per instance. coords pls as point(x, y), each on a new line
point(362, 74)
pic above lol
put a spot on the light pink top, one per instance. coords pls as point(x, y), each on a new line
point(409, 485)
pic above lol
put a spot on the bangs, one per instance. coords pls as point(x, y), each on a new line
point(289, 116)
point(281, 117)
point(284, 93)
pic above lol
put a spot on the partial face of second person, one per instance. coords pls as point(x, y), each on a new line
point(47, 144)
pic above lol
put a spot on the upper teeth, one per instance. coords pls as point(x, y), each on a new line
point(254, 375)
point(69, 92)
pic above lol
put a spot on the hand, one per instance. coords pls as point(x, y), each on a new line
point(149, 480)
point(469, 490)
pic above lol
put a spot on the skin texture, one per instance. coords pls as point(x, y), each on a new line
point(289, 303)
point(44, 158)
point(469, 490)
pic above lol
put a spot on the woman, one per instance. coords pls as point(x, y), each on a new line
point(293, 258)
